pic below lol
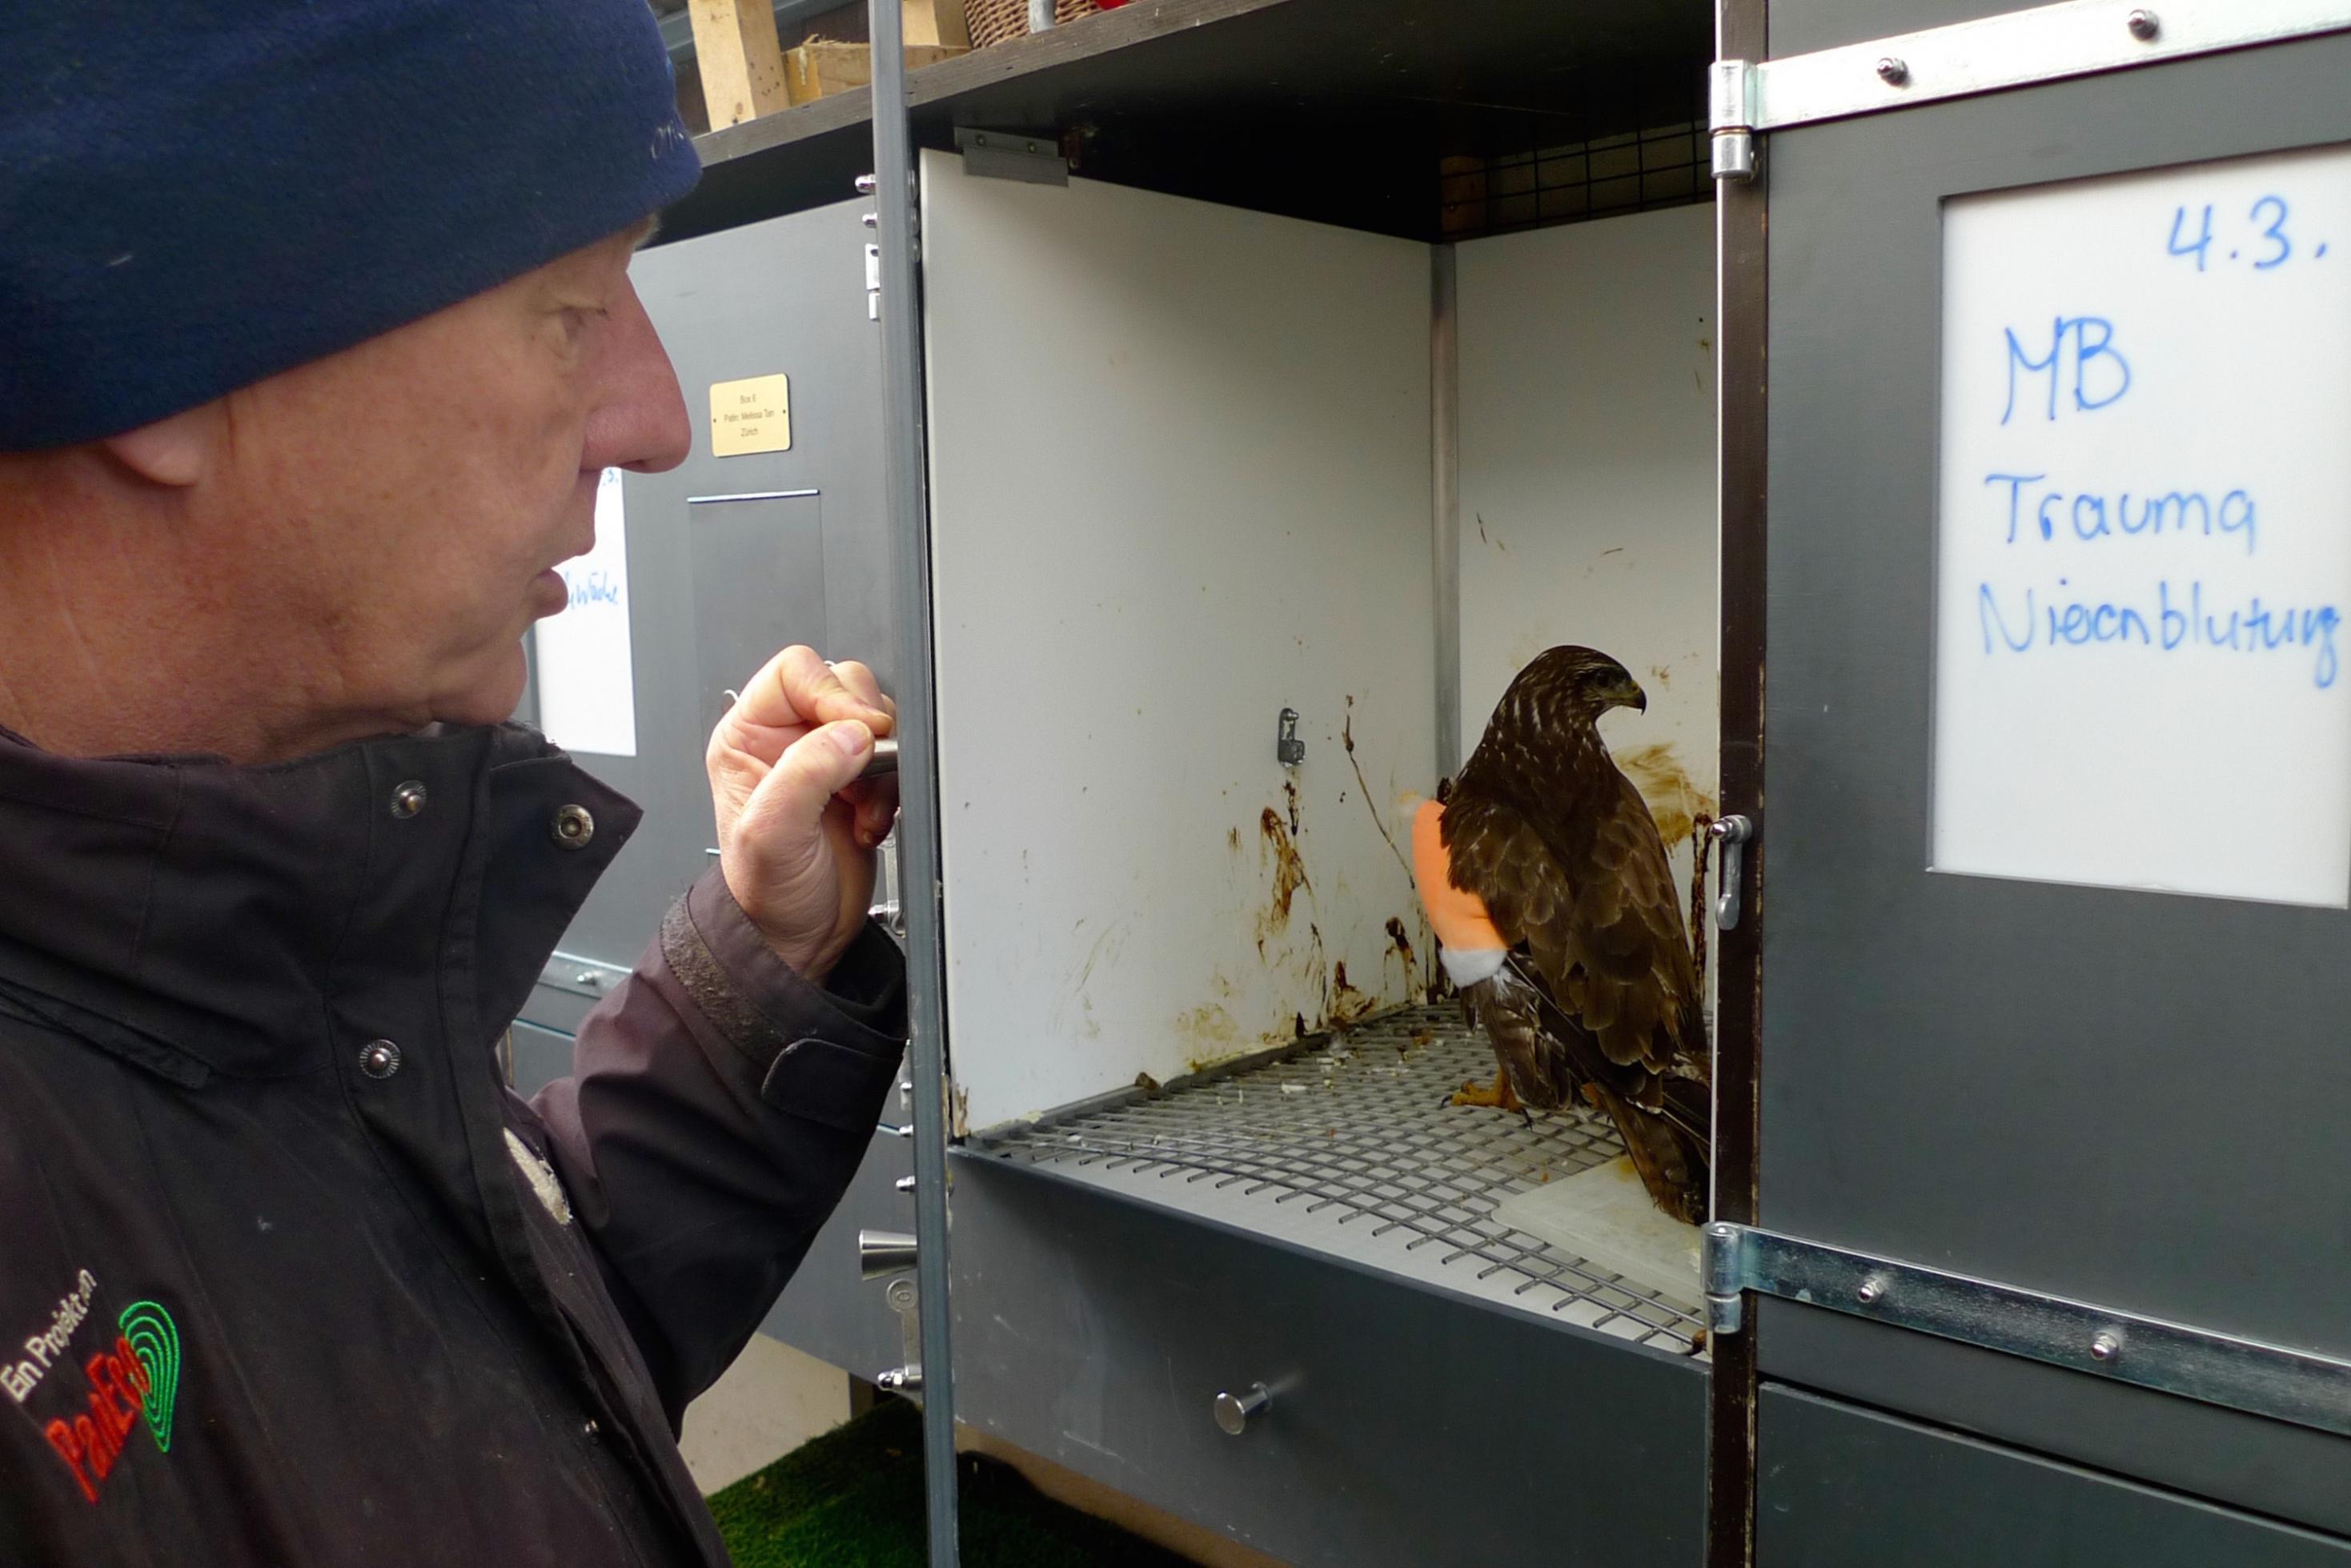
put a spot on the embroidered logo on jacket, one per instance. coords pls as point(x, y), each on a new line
point(137, 1378)
point(46, 1347)
point(154, 1340)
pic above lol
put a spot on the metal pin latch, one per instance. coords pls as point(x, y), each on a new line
point(1730, 832)
point(1286, 745)
point(881, 1253)
point(906, 1300)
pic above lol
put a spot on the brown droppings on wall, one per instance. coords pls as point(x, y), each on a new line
point(1663, 675)
point(1289, 872)
point(1673, 798)
point(1211, 1028)
point(1348, 1005)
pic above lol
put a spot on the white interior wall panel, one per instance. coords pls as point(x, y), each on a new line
point(1179, 480)
point(1587, 481)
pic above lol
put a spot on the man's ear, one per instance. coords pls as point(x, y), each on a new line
point(175, 451)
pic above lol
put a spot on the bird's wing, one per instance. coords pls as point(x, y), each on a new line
point(1573, 940)
point(1616, 954)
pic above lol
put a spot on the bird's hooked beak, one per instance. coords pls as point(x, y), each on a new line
point(1629, 694)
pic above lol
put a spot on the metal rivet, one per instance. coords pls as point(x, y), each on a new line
point(1872, 1291)
point(573, 827)
point(588, 1428)
point(408, 797)
point(379, 1059)
point(2144, 26)
point(2105, 1346)
point(1892, 72)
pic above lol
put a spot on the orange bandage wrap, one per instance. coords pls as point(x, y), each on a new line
point(1458, 917)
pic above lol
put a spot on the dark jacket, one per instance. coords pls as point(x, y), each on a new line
point(288, 1276)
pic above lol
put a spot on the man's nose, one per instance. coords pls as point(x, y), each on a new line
point(639, 422)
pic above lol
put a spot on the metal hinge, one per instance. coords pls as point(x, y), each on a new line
point(1731, 118)
point(1991, 54)
point(2172, 1358)
point(868, 185)
point(1011, 155)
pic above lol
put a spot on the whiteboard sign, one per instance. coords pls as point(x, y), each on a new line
point(2145, 533)
point(587, 678)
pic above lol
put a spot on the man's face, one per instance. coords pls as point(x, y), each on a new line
point(408, 499)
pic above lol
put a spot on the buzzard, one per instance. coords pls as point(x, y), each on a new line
point(1547, 884)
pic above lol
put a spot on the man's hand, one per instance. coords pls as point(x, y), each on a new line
point(797, 831)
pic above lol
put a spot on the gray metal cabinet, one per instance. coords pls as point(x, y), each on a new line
point(1853, 1487)
point(731, 558)
point(2119, 1096)
point(1408, 1426)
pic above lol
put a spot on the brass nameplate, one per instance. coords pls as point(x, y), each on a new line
point(753, 415)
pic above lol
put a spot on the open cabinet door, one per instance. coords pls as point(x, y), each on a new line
point(1179, 461)
point(2056, 841)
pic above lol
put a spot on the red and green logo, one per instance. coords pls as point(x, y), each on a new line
point(154, 1341)
point(138, 1377)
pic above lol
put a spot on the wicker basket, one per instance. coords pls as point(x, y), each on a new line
point(993, 21)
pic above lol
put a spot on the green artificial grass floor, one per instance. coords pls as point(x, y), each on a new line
point(854, 1498)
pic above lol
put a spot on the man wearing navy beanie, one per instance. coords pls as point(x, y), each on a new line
point(316, 332)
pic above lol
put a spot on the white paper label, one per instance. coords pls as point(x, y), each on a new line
point(587, 682)
point(2145, 532)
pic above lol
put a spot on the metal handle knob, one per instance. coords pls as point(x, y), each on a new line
point(881, 1253)
point(1234, 1410)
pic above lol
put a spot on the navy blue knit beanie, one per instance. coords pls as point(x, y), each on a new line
point(198, 194)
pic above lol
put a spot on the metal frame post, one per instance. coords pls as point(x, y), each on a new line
point(1445, 483)
point(906, 501)
point(1740, 327)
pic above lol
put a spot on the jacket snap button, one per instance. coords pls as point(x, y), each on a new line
point(379, 1058)
point(408, 799)
point(589, 1429)
point(573, 827)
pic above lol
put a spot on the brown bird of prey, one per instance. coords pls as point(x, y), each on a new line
point(1546, 881)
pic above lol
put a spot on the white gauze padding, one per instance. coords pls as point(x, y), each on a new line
point(1469, 965)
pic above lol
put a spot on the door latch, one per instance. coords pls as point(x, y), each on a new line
point(1287, 747)
point(1731, 832)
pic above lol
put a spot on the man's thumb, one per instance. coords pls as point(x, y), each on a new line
point(792, 798)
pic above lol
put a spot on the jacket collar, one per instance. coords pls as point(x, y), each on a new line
point(216, 912)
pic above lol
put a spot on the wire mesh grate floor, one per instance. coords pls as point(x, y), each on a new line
point(1352, 1149)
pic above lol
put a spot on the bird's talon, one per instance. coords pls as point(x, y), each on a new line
point(1500, 1097)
